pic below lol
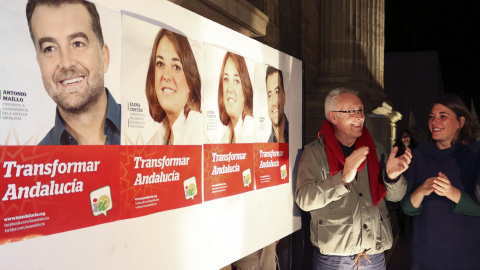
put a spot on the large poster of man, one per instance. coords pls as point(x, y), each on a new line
point(47, 188)
point(69, 61)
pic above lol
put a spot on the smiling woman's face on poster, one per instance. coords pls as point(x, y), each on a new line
point(233, 97)
point(171, 85)
point(173, 90)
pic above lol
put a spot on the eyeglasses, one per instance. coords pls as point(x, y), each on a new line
point(352, 112)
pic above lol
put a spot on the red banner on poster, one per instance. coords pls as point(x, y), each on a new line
point(228, 169)
point(159, 178)
point(51, 189)
point(271, 164)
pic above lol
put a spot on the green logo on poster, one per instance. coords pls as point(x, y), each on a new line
point(101, 201)
point(247, 178)
point(190, 188)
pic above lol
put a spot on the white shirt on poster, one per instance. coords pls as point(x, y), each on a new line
point(186, 130)
point(245, 131)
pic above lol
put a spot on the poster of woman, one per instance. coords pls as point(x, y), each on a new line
point(162, 85)
point(162, 126)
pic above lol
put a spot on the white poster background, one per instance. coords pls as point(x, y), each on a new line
point(19, 71)
point(138, 38)
point(206, 236)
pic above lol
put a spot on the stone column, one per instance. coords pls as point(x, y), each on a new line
point(351, 54)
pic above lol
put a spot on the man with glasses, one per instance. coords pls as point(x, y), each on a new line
point(342, 181)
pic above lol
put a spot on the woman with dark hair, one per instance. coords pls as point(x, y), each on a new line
point(440, 194)
point(235, 100)
point(403, 141)
point(173, 90)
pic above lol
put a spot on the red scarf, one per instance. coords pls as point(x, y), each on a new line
point(336, 158)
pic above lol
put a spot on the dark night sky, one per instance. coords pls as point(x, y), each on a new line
point(450, 27)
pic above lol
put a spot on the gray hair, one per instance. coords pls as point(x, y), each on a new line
point(331, 99)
